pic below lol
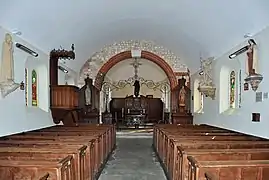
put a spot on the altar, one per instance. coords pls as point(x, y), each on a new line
point(136, 111)
point(135, 119)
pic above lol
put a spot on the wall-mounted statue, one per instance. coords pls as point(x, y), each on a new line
point(183, 96)
point(7, 83)
point(182, 93)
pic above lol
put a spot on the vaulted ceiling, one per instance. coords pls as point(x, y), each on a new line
point(186, 27)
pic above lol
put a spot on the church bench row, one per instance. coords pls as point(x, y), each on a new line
point(59, 152)
point(183, 149)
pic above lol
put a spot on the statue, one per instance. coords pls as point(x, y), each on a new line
point(251, 61)
point(88, 91)
point(7, 83)
point(136, 88)
point(7, 67)
point(182, 94)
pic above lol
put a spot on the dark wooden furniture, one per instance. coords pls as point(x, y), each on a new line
point(182, 112)
point(89, 113)
point(107, 118)
point(178, 118)
point(150, 108)
point(63, 98)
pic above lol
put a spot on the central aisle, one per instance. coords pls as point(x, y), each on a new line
point(133, 159)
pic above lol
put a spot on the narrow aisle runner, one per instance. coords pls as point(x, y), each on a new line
point(133, 159)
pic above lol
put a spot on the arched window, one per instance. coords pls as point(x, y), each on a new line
point(224, 82)
point(26, 86)
point(34, 88)
point(232, 89)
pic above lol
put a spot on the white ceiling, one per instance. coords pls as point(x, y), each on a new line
point(147, 70)
point(187, 27)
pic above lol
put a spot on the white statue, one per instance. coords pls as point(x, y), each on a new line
point(7, 84)
point(88, 96)
point(88, 91)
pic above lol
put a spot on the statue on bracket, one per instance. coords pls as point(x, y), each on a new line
point(183, 96)
point(253, 78)
point(182, 92)
point(7, 84)
point(88, 91)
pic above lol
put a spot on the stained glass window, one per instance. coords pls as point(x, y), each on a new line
point(26, 87)
point(232, 89)
point(201, 101)
point(34, 88)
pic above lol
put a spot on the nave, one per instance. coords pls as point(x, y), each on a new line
point(133, 159)
point(84, 152)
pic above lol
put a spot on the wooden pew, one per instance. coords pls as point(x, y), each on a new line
point(188, 137)
point(90, 157)
point(100, 153)
point(34, 169)
point(171, 141)
point(182, 163)
point(227, 170)
point(51, 142)
point(81, 166)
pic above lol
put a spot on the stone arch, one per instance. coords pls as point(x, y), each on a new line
point(144, 54)
point(126, 55)
point(98, 59)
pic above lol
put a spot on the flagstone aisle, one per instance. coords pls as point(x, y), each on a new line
point(133, 160)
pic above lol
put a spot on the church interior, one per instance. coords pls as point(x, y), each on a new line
point(134, 90)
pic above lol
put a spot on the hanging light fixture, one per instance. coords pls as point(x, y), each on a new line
point(26, 49)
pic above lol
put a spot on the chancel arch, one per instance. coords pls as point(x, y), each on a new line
point(144, 54)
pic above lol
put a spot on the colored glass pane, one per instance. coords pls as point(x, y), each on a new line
point(232, 89)
point(34, 88)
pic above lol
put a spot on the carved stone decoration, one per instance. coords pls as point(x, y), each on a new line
point(95, 62)
point(162, 86)
point(7, 84)
point(206, 85)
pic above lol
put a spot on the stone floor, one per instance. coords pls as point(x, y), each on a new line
point(133, 159)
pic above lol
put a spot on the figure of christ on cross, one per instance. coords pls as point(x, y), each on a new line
point(136, 84)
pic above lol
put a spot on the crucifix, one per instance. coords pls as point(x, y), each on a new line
point(136, 85)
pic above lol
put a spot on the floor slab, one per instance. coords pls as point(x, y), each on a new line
point(133, 159)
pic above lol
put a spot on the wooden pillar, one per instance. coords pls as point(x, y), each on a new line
point(53, 70)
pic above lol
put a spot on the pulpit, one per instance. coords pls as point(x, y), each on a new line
point(64, 104)
point(182, 111)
